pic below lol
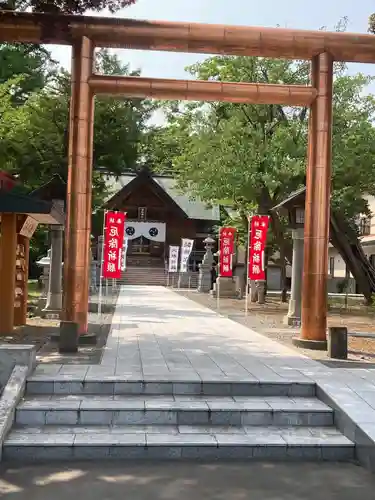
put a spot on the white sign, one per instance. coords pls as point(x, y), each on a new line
point(123, 254)
point(186, 248)
point(173, 259)
point(29, 227)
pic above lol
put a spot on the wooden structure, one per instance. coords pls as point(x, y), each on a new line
point(158, 215)
point(344, 238)
point(86, 33)
point(20, 215)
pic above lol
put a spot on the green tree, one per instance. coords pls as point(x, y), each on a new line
point(35, 143)
point(371, 27)
point(65, 6)
point(250, 155)
point(32, 62)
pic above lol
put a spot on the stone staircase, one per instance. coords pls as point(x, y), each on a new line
point(154, 276)
point(66, 418)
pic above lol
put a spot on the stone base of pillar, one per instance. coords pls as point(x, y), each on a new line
point(291, 320)
point(226, 288)
point(83, 340)
point(315, 345)
point(68, 338)
point(338, 342)
point(50, 313)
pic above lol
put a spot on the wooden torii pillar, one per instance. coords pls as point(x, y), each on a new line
point(79, 188)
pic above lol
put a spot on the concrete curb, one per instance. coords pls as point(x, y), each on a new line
point(12, 394)
point(354, 419)
point(12, 355)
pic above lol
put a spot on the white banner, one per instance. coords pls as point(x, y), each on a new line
point(154, 231)
point(186, 248)
point(124, 252)
point(173, 259)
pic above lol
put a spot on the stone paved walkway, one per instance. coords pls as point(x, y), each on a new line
point(160, 335)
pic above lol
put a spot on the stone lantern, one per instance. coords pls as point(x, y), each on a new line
point(204, 282)
point(295, 206)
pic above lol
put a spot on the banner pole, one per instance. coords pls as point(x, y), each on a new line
point(101, 269)
point(247, 268)
point(218, 274)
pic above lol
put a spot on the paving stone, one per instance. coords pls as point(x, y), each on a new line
point(257, 418)
point(68, 417)
point(128, 388)
point(158, 388)
point(96, 417)
point(223, 417)
point(187, 388)
point(39, 387)
point(30, 417)
point(28, 454)
point(193, 418)
point(180, 440)
point(68, 387)
point(98, 387)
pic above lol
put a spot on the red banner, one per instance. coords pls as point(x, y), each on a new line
point(258, 227)
point(114, 229)
point(226, 238)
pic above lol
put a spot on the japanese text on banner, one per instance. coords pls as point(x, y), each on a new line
point(173, 259)
point(258, 227)
point(114, 228)
point(227, 237)
point(186, 249)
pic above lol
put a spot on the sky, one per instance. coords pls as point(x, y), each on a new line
point(303, 14)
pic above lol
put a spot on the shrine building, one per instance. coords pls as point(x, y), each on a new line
point(158, 215)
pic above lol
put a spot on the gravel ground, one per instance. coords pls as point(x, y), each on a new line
point(267, 319)
point(38, 330)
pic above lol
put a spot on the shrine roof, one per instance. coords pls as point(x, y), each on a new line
point(194, 208)
point(295, 199)
point(45, 212)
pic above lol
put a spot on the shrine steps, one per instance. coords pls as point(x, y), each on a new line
point(152, 276)
point(95, 419)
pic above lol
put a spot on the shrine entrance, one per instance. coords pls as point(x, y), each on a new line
point(140, 246)
point(85, 33)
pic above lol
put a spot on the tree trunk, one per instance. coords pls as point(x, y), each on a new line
point(345, 240)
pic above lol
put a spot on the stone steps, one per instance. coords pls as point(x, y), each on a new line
point(176, 442)
point(71, 417)
point(135, 275)
point(122, 410)
point(119, 385)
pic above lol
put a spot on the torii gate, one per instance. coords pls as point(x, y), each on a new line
point(85, 33)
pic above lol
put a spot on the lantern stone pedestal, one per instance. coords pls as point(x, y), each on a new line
point(293, 318)
point(204, 280)
point(226, 287)
point(45, 264)
point(54, 296)
point(184, 280)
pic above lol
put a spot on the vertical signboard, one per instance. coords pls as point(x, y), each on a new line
point(258, 227)
point(114, 228)
point(226, 239)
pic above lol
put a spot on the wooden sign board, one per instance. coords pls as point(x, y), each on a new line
point(29, 227)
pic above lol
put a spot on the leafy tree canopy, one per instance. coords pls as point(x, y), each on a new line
point(33, 137)
point(65, 6)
